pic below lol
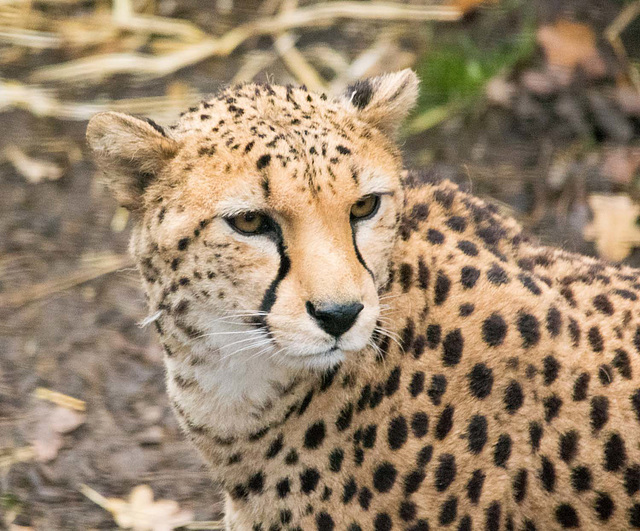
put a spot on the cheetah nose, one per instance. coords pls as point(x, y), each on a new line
point(335, 319)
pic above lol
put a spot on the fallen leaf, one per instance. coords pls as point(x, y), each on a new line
point(140, 512)
point(53, 424)
point(569, 45)
point(613, 228)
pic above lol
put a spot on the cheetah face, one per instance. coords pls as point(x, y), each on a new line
point(267, 216)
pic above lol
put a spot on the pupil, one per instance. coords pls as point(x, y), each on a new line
point(249, 217)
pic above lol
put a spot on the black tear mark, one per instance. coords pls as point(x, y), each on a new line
point(361, 93)
point(269, 298)
point(358, 255)
point(266, 187)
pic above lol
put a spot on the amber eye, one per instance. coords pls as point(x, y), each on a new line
point(366, 207)
point(249, 223)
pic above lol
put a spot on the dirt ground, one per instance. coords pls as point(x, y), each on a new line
point(69, 326)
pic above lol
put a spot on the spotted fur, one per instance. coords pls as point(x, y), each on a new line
point(490, 383)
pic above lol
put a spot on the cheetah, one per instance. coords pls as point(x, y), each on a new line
point(354, 346)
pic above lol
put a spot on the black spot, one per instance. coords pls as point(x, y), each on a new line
point(497, 275)
point(465, 524)
point(529, 283)
point(604, 506)
point(519, 485)
point(493, 513)
point(443, 285)
point(315, 435)
point(615, 453)
point(358, 456)
point(457, 223)
point(369, 436)
point(344, 418)
point(365, 396)
point(324, 522)
point(274, 447)
point(634, 516)
point(580, 387)
point(407, 511)
point(632, 480)
point(474, 486)
point(423, 274)
point(477, 433)
point(568, 446)
point(361, 93)
point(263, 161)
point(535, 435)
point(552, 405)
point(291, 458)
point(622, 363)
point(548, 475)
point(406, 276)
point(445, 472)
point(448, 511)
point(438, 387)
point(513, 397)
point(599, 413)
point(635, 403)
point(445, 423)
point(384, 477)
point(343, 150)
point(376, 397)
point(413, 481)
point(595, 339)
point(397, 432)
point(335, 459)
point(420, 424)
point(581, 478)
point(417, 384)
point(349, 491)
point(256, 483)
point(309, 480)
point(452, 348)
point(382, 522)
point(424, 456)
point(494, 330)
point(554, 321)
point(393, 382)
point(480, 381)
point(469, 276)
point(283, 488)
point(574, 332)
point(466, 309)
point(566, 516)
point(183, 244)
point(435, 237)
point(603, 304)
point(364, 498)
point(550, 370)
point(434, 334)
point(285, 516)
point(529, 329)
point(502, 451)
point(468, 248)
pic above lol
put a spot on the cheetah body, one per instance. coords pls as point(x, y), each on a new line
point(500, 388)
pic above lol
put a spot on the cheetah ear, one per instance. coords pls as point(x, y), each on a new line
point(384, 101)
point(131, 152)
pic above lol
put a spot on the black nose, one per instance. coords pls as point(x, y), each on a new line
point(335, 319)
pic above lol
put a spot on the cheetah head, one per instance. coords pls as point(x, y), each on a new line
point(266, 217)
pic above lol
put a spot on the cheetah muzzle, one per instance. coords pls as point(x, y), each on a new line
point(351, 346)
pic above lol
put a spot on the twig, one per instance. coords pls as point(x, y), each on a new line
point(42, 102)
point(296, 62)
point(43, 290)
point(98, 67)
point(613, 32)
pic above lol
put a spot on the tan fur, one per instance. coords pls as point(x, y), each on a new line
point(489, 383)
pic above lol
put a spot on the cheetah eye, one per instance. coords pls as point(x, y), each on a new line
point(365, 207)
point(249, 223)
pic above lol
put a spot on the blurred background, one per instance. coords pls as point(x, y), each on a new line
point(531, 104)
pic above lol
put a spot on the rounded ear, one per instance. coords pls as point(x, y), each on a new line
point(131, 152)
point(384, 101)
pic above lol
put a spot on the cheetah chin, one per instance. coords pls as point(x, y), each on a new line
point(352, 346)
